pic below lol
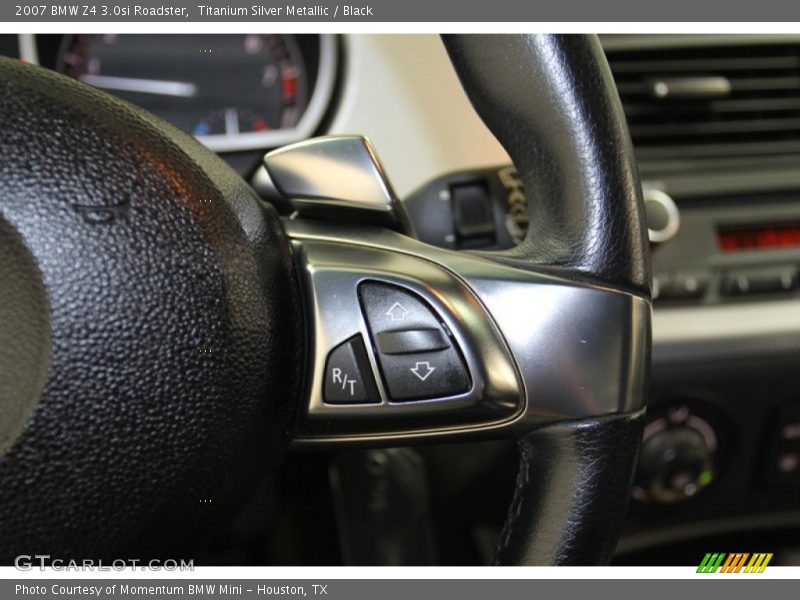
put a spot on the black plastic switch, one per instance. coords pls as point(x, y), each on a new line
point(472, 215)
point(411, 340)
point(661, 286)
point(683, 285)
point(783, 455)
point(418, 359)
point(348, 378)
point(760, 281)
point(687, 285)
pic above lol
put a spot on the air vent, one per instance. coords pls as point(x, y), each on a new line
point(711, 102)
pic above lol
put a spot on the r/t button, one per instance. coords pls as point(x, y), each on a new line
point(348, 377)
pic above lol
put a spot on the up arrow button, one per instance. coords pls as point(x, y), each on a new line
point(389, 308)
point(397, 312)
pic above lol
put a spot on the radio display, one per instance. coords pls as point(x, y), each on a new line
point(733, 239)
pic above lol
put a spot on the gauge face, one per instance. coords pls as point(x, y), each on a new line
point(217, 87)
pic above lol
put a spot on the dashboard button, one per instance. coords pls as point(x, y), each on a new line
point(472, 215)
point(783, 456)
point(661, 285)
point(682, 285)
point(759, 281)
point(348, 377)
point(688, 285)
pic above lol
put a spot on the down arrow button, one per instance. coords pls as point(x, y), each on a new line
point(424, 376)
point(422, 370)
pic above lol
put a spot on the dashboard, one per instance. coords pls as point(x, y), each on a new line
point(715, 122)
point(232, 92)
point(399, 90)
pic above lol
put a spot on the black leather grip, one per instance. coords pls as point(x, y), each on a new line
point(551, 101)
point(572, 491)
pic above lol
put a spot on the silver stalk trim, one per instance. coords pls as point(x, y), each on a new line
point(578, 350)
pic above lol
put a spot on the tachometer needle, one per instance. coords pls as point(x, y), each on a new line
point(231, 121)
point(144, 86)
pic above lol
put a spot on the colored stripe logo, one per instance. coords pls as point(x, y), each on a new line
point(734, 563)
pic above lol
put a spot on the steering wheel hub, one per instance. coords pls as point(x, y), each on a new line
point(169, 295)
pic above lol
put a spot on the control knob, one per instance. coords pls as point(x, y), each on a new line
point(677, 459)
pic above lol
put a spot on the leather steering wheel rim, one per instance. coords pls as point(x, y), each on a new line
point(551, 101)
point(158, 322)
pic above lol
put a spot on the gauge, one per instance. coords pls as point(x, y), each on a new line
point(230, 91)
point(230, 121)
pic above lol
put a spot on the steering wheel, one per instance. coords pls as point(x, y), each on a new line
point(166, 336)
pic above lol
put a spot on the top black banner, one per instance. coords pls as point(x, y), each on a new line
point(454, 11)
